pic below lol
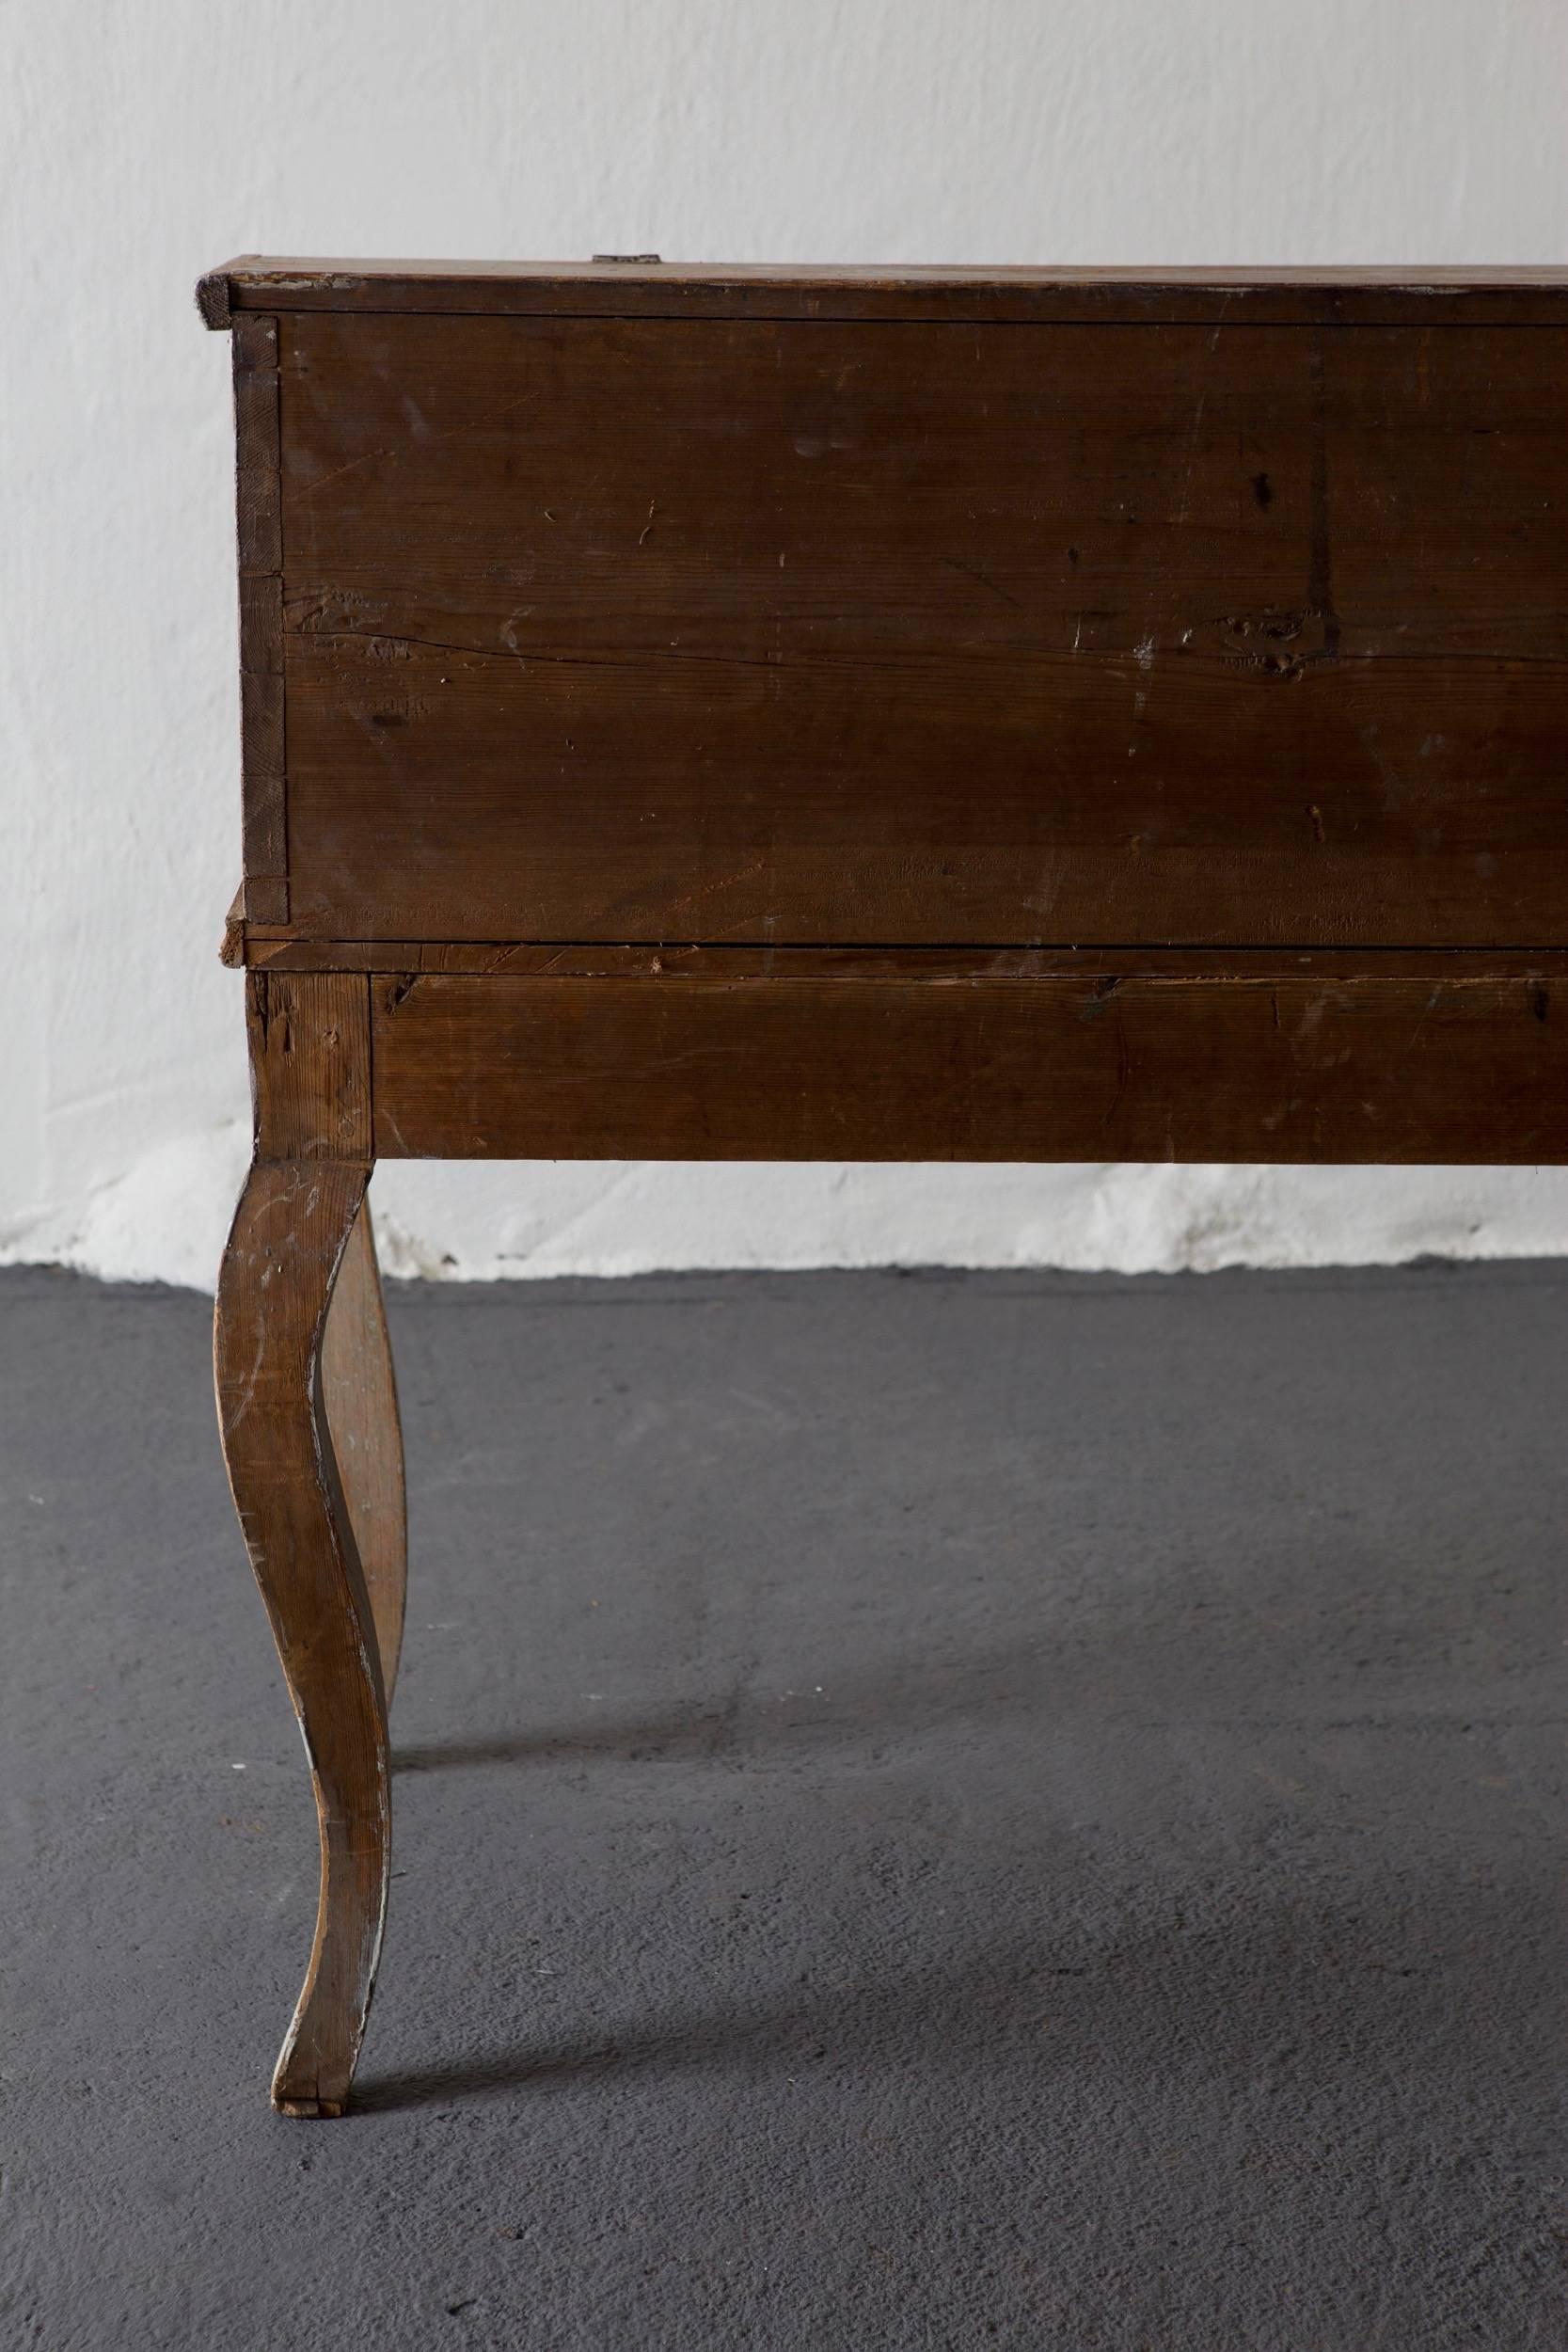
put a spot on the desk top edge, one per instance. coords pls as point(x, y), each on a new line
point(1505, 294)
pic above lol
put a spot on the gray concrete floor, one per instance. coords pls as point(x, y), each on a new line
point(932, 1811)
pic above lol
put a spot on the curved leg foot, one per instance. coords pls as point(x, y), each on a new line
point(360, 1393)
point(293, 1223)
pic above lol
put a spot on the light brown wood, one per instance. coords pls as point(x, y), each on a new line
point(294, 1221)
point(307, 1413)
point(310, 1064)
point(359, 1392)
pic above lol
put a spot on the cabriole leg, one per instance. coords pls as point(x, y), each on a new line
point(295, 1224)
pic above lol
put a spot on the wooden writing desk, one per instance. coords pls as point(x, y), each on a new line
point(740, 714)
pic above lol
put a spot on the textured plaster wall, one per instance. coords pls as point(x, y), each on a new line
point(142, 141)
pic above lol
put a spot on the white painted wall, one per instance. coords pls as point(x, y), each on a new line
point(142, 141)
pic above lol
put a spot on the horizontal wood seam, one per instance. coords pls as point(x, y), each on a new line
point(480, 957)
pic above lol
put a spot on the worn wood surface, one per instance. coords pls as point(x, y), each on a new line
point(732, 714)
point(1064, 1068)
point(308, 1412)
point(234, 946)
point(282, 951)
point(626, 630)
point(670, 289)
point(310, 1064)
point(293, 1220)
point(257, 502)
point(358, 1390)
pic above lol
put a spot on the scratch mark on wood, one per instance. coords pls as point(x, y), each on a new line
point(957, 563)
point(309, 488)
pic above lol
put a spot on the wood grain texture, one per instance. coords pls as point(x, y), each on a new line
point(260, 558)
point(269, 951)
point(359, 1396)
point(293, 1220)
point(310, 1065)
point(744, 714)
point(234, 946)
point(1062, 1068)
point(1514, 294)
point(636, 630)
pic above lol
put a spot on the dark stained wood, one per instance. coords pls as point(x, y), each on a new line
point(294, 1219)
point(1063, 1068)
point(310, 1065)
point(359, 1396)
point(1510, 296)
point(261, 553)
point(269, 951)
point(726, 713)
point(628, 630)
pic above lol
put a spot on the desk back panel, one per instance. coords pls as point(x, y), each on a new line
point(837, 630)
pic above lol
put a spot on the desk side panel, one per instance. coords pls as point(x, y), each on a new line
point(617, 629)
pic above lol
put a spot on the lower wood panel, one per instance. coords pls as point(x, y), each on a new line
point(1081, 1066)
